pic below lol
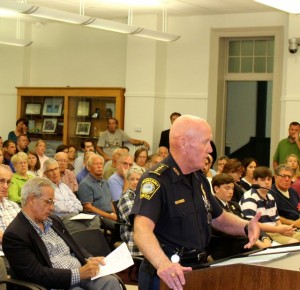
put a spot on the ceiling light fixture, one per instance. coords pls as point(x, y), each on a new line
point(14, 41)
point(73, 18)
point(290, 6)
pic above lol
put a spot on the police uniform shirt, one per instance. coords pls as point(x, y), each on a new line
point(174, 202)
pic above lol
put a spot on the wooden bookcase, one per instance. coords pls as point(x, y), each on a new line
point(67, 115)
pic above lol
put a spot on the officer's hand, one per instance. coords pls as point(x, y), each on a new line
point(173, 274)
point(253, 231)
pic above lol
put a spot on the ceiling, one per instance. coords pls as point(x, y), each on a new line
point(108, 9)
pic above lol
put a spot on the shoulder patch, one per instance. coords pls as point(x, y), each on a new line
point(148, 188)
point(160, 169)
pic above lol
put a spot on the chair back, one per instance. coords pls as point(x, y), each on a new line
point(93, 241)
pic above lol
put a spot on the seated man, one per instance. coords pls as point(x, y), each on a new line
point(65, 200)
point(84, 172)
point(163, 152)
point(8, 209)
point(286, 198)
point(86, 146)
point(223, 245)
point(67, 176)
point(118, 182)
point(259, 200)
point(93, 191)
point(40, 250)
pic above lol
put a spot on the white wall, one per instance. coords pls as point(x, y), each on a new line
point(159, 78)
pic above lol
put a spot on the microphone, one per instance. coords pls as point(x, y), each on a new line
point(257, 186)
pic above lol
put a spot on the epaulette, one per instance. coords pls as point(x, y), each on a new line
point(160, 169)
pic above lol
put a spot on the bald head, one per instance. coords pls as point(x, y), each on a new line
point(190, 138)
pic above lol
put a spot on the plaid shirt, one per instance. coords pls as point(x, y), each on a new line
point(58, 250)
point(8, 211)
point(125, 205)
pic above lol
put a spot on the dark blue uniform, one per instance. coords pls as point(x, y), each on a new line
point(179, 205)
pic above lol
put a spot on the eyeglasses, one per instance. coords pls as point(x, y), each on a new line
point(126, 163)
point(7, 181)
point(48, 201)
point(285, 176)
point(52, 170)
point(22, 163)
point(62, 161)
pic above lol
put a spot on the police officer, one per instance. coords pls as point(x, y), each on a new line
point(174, 208)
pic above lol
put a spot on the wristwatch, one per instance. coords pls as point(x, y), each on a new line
point(246, 230)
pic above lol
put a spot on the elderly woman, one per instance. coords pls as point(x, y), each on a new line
point(125, 205)
point(141, 157)
point(20, 163)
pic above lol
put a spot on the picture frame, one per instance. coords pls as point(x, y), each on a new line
point(83, 109)
point(53, 107)
point(83, 128)
point(49, 125)
point(33, 109)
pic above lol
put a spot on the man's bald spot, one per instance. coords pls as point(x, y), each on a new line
point(185, 126)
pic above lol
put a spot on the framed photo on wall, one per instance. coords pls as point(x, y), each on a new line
point(33, 109)
point(83, 109)
point(83, 128)
point(49, 125)
point(53, 107)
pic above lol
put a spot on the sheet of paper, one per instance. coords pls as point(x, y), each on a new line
point(1, 254)
point(277, 250)
point(251, 259)
point(117, 261)
point(82, 216)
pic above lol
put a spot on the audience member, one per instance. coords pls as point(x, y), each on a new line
point(287, 146)
point(84, 172)
point(8, 209)
point(113, 138)
point(163, 151)
point(1, 155)
point(1, 142)
point(67, 176)
point(234, 168)
point(259, 200)
point(93, 191)
point(221, 162)
point(86, 146)
point(62, 148)
point(224, 245)
point(40, 149)
point(125, 205)
point(21, 129)
point(141, 157)
point(20, 177)
point(71, 157)
point(286, 198)
point(153, 159)
point(293, 162)
point(164, 136)
point(9, 148)
point(65, 200)
point(40, 249)
point(34, 164)
point(22, 143)
point(110, 166)
point(118, 182)
point(249, 165)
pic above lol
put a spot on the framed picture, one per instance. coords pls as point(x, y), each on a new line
point(33, 109)
point(83, 128)
point(49, 125)
point(83, 109)
point(53, 107)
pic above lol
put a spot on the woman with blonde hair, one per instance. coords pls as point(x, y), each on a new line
point(40, 149)
point(20, 177)
point(293, 161)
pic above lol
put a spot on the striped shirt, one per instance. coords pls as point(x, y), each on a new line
point(251, 203)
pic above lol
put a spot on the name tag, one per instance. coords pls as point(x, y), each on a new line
point(179, 201)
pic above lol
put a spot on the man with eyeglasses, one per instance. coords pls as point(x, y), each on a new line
point(67, 176)
point(261, 200)
point(66, 201)
point(40, 249)
point(287, 199)
point(8, 209)
point(118, 182)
